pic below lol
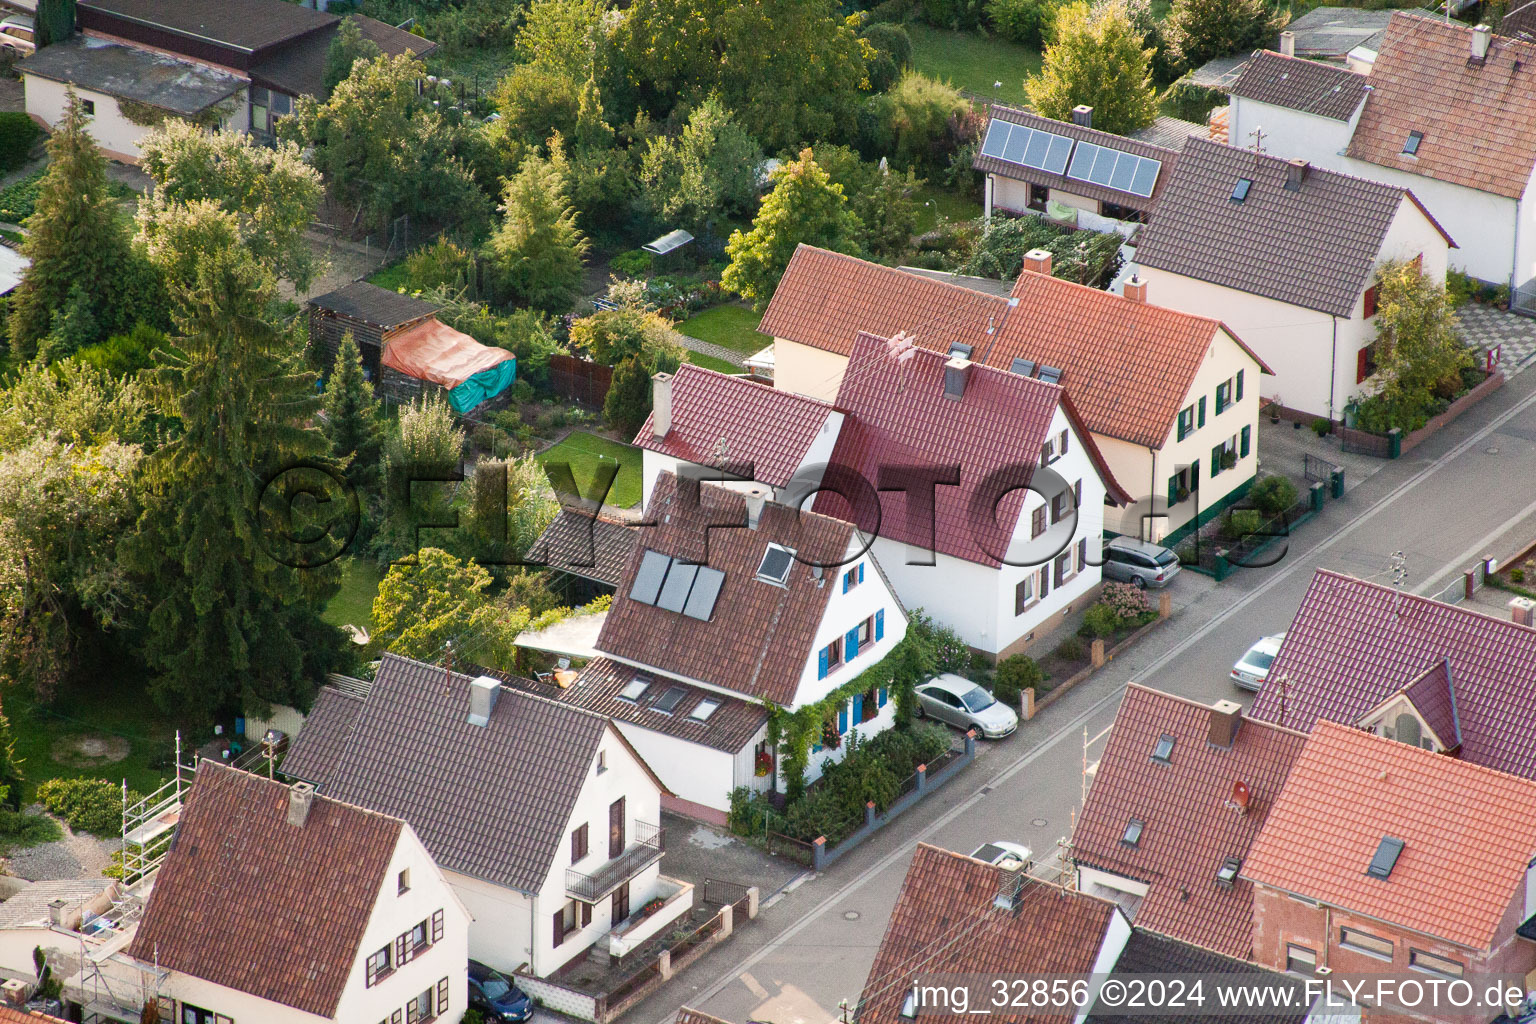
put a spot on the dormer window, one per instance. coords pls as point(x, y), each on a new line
point(1240, 190)
point(775, 565)
point(1226, 875)
point(1132, 834)
point(1162, 752)
point(1411, 144)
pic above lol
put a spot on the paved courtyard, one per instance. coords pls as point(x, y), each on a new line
point(1487, 328)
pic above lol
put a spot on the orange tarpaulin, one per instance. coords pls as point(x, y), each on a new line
point(436, 352)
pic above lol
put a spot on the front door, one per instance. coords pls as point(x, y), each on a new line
point(620, 903)
point(616, 830)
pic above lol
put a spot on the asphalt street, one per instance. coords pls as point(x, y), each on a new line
point(1468, 492)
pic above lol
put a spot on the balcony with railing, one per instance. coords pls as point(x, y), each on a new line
point(644, 849)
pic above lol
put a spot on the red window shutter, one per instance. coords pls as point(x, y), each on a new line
point(559, 926)
point(442, 996)
point(437, 926)
point(403, 949)
point(1370, 302)
point(372, 974)
point(1362, 365)
point(1061, 570)
point(1077, 494)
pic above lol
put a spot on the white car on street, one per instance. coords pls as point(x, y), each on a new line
point(1003, 854)
point(1253, 668)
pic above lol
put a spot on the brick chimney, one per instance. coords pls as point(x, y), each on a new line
point(1482, 35)
point(1136, 288)
point(1295, 174)
point(483, 692)
point(301, 796)
point(1226, 719)
point(1288, 43)
point(1522, 610)
point(1038, 260)
point(1082, 114)
point(956, 371)
point(661, 405)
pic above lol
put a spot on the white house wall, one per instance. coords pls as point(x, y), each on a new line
point(500, 932)
point(1480, 223)
point(693, 772)
point(624, 776)
point(844, 612)
point(807, 370)
point(1525, 234)
point(115, 135)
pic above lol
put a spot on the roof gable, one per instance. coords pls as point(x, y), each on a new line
point(757, 640)
point(291, 902)
point(473, 811)
point(718, 418)
point(1326, 90)
point(1132, 389)
point(899, 415)
point(1315, 246)
point(944, 922)
point(1354, 643)
point(1190, 823)
point(1424, 80)
point(1433, 699)
point(1147, 952)
point(1465, 832)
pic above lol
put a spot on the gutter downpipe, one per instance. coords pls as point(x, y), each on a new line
point(1152, 491)
point(1333, 366)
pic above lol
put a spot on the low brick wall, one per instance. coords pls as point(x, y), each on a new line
point(1056, 691)
point(559, 998)
point(1453, 412)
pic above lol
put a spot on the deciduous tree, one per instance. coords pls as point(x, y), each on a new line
point(708, 171)
point(1200, 30)
point(1095, 58)
point(346, 49)
point(423, 608)
point(806, 207)
point(1419, 356)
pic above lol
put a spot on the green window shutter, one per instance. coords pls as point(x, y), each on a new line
point(1215, 460)
point(1173, 490)
point(1201, 420)
point(1239, 397)
point(1242, 451)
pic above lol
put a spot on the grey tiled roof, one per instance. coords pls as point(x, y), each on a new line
point(1150, 953)
point(730, 727)
point(1306, 85)
point(1334, 31)
point(593, 548)
point(322, 741)
point(1315, 247)
point(1171, 132)
point(374, 305)
point(465, 788)
point(991, 165)
point(29, 907)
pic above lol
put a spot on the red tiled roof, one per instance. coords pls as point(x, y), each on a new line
point(899, 416)
point(1189, 824)
point(944, 923)
point(250, 902)
point(10, 1016)
point(713, 412)
point(1465, 830)
point(758, 640)
point(1128, 365)
point(1353, 643)
point(1423, 81)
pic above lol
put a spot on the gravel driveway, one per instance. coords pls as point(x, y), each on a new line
point(74, 856)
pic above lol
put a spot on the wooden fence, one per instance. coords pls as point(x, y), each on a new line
point(580, 380)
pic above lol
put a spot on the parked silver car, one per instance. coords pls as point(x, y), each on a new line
point(958, 701)
point(1135, 561)
point(1253, 668)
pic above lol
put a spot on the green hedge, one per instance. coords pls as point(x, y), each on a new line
point(18, 201)
point(18, 133)
point(88, 805)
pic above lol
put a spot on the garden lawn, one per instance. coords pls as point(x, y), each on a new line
point(353, 603)
point(392, 277)
point(62, 740)
point(584, 451)
point(938, 201)
point(733, 327)
point(711, 363)
point(972, 62)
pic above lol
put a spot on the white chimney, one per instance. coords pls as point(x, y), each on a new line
point(955, 373)
point(1135, 288)
point(1482, 35)
point(661, 404)
point(1288, 43)
point(483, 692)
point(1038, 260)
point(757, 497)
point(301, 796)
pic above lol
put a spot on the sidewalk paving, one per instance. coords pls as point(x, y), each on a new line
point(709, 348)
point(1514, 335)
point(1283, 448)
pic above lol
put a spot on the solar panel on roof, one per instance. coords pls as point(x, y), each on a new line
point(1027, 147)
point(1385, 858)
point(1018, 142)
point(1023, 367)
point(706, 589)
point(649, 577)
point(1123, 172)
point(674, 593)
point(997, 139)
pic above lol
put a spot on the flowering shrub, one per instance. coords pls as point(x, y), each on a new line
point(1129, 603)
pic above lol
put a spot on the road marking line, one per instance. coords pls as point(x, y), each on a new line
point(1087, 715)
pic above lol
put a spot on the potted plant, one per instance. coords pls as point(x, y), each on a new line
point(764, 764)
point(1274, 409)
point(1181, 495)
point(1228, 460)
point(653, 906)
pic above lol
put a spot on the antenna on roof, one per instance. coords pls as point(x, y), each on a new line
point(447, 667)
point(1257, 135)
point(722, 450)
point(902, 348)
point(1399, 577)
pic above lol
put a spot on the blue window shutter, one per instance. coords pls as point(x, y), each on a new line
point(858, 707)
point(847, 581)
point(861, 572)
point(842, 719)
point(880, 624)
point(851, 644)
point(881, 696)
point(821, 668)
point(1239, 386)
point(816, 747)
